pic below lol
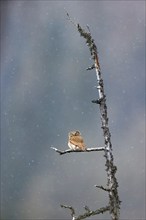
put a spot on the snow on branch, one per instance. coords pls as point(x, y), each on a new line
point(73, 151)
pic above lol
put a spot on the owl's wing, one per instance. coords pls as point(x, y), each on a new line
point(78, 141)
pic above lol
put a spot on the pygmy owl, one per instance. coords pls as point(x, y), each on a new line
point(75, 141)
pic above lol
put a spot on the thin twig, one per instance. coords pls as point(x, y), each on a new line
point(71, 209)
point(103, 188)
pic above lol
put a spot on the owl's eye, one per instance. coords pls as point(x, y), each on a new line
point(77, 133)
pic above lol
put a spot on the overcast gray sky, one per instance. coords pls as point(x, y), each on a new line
point(46, 92)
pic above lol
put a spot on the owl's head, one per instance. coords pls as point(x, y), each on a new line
point(74, 133)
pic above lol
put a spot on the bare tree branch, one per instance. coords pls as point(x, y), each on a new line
point(87, 213)
point(73, 151)
point(103, 188)
point(92, 213)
